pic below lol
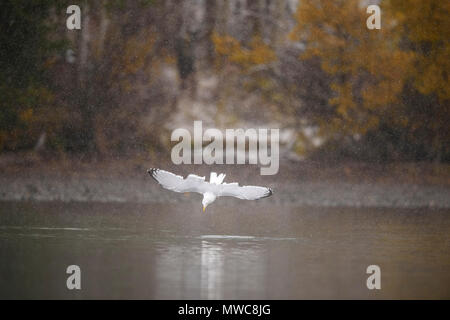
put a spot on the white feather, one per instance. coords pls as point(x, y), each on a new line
point(215, 186)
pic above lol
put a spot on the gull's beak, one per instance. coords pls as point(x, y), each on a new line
point(204, 208)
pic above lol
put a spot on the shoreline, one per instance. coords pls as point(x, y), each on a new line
point(356, 185)
point(146, 191)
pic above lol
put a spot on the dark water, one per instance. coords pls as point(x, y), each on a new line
point(250, 251)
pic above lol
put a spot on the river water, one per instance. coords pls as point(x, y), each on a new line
point(248, 251)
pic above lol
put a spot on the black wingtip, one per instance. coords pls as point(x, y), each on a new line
point(269, 193)
point(152, 171)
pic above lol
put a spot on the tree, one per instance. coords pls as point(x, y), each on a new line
point(366, 67)
point(25, 51)
point(374, 73)
point(424, 26)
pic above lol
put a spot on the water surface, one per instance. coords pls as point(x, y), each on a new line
point(249, 251)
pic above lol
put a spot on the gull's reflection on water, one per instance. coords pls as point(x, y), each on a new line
point(232, 267)
point(193, 271)
point(212, 269)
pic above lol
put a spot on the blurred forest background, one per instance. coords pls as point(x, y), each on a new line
point(138, 69)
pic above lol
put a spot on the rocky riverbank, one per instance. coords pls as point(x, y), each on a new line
point(302, 194)
point(304, 184)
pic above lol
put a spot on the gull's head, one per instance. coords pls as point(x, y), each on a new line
point(208, 198)
point(205, 204)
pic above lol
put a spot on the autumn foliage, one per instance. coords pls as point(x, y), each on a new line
point(387, 88)
point(370, 94)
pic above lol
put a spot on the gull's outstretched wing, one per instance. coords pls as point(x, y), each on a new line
point(244, 192)
point(172, 182)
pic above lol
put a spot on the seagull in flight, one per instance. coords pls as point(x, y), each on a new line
point(210, 190)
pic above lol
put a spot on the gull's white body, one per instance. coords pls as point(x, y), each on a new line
point(210, 190)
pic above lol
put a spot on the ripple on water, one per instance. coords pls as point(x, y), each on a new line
point(254, 238)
